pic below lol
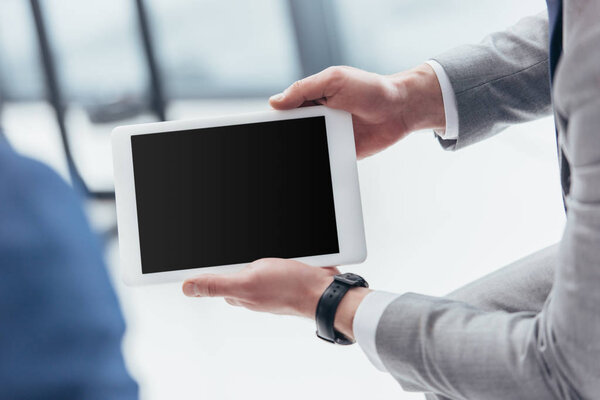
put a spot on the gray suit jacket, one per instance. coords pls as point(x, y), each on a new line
point(520, 337)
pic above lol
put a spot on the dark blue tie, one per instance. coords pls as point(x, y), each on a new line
point(555, 24)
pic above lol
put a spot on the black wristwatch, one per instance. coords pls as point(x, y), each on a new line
point(329, 302)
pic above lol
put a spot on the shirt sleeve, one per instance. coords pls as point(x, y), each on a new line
point(366, 320)
point(449, 99)
point(499, 82)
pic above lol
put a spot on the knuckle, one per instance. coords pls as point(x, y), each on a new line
point(336, 73)
point(211, 287)
point(298, 85)
point(260, 263)
point(246, 282)
point(336, 78)
point(384, 87)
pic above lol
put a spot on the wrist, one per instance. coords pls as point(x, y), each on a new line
point(308, 305)
point(346, 309)
point(419, 95)
point(344, 317)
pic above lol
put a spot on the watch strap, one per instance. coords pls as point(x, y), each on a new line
point(328, 305)
point(326, 309)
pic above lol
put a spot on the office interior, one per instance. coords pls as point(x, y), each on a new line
point(70, 71)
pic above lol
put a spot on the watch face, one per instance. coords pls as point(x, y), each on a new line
point(351, 279)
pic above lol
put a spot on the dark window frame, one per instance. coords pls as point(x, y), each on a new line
point(316, 38)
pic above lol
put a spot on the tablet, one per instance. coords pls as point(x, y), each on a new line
point(214, 194)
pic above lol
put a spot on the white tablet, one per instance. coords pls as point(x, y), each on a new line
point(214, 194)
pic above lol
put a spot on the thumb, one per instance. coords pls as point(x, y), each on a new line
point(315, 88)
point(210, 285)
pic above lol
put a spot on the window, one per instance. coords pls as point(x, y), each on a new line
point(388, 36)
point(96, 46)
point(213, 48)
point(206, 50)
point(20, 73)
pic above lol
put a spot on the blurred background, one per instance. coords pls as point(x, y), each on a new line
point(70, 71)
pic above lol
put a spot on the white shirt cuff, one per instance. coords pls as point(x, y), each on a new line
point(449, 99)
point(365, 323)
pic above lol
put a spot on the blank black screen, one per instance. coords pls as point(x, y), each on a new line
point(234, 194)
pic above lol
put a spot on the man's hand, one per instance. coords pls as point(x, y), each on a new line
point(278, 286)
point(384, 108)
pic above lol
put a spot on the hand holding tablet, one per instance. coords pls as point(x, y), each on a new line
point(214, 194)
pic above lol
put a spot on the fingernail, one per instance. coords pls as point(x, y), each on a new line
point(276, 97)
point(189, 289)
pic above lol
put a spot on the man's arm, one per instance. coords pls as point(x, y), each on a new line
point(466, 95)
point(461, 351)
point(458, 350)
point(499, 82)
point(384, 108)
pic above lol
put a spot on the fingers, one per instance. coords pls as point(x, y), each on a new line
point(214, 285)
point(233, 302)
point(312, 90)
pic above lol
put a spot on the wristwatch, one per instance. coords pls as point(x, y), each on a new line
point(328, 304)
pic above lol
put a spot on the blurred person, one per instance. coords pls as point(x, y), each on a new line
point(528, 331)
point(60, 325)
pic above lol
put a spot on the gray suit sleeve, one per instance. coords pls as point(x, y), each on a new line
point(499, 82)
point(521, 286)
point(460, 351)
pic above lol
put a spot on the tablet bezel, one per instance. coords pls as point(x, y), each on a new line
point(344, 176)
